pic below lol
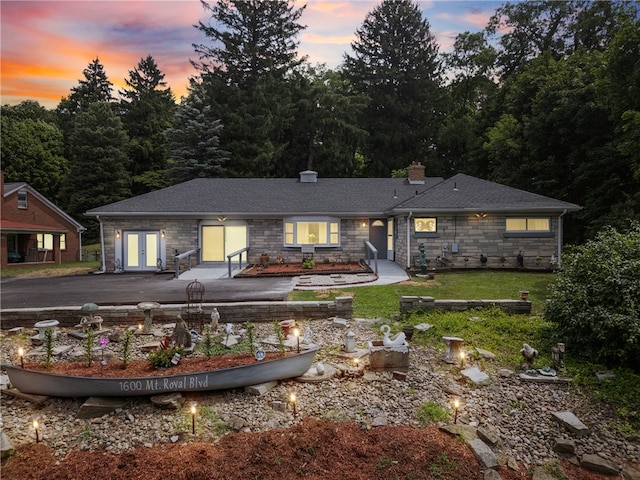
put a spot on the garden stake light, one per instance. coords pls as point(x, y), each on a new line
point(292, 399)
point(462, 359)
point(35, 427)
point(193, 419)
point(21, 355)
point(296, 333)
point(456, 406)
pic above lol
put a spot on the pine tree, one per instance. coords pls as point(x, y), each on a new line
point(146, 109)
point(395, 64)
point(193, 141)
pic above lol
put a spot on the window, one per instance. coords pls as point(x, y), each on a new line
point(425, 225)
point(45, 241)
point(22, 199)
point(528, 225)
point(298, 232)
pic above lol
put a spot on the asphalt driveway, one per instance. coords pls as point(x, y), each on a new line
point(130, 289)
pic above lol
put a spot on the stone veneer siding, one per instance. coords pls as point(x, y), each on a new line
point(267, 236)
point(476, 236)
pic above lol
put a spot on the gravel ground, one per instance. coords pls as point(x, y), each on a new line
point(519, 413)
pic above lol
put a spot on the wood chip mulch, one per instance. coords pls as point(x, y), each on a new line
point(313, 449)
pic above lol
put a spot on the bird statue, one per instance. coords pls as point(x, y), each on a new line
point(215, 318)
point(397, 340)
point(529, 353)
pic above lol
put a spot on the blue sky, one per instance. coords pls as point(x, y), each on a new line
point(47, 44)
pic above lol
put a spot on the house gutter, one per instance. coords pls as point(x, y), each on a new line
point(102, 252)
point(409, 239)
point(560, 237)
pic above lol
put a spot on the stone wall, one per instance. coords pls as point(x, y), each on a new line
point(412, 303)
point(238, 312)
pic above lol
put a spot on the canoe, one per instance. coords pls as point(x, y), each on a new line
point(57, 385)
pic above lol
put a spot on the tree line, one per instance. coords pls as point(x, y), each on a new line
point(546, 98)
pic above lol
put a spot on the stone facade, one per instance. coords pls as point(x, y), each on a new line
point(476, 236)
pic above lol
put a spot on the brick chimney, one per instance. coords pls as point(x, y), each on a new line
point(416, 173)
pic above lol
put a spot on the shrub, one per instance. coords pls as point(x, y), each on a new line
point(162, 358)
point(309, 263)
point(595, 300)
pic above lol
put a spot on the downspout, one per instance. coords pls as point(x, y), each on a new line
point(104, 262)
point(409, 240)
point(560, 229)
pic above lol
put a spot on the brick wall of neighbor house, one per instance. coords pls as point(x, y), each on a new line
point(476, 236)
point(39, 213)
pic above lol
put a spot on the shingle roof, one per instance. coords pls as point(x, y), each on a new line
point(466, 193)
point(335, 196)
point(272, 196)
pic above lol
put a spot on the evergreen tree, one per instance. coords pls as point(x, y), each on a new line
point(245, 74)
point(193, 140)
point(146, 109)
point(98, 158)
point(395, 64)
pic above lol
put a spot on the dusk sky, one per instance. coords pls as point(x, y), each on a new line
point(47, 44)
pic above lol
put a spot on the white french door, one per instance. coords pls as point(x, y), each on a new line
point(141, 251)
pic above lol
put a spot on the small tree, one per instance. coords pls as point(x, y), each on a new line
point(127, 345)
point(595, 299)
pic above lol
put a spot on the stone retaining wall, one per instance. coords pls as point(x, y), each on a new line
point(412, 303)
point(229, 313)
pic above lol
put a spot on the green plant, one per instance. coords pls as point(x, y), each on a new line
point(88, 346)
point(384, 463)
point(280, 335)
point(251, 337)
point(208, 345)
point(432, 412)
point(441, 466)
point(595, 299)
point(308, 263)
point(162, 358)
point(126, 347)
point(49, 342)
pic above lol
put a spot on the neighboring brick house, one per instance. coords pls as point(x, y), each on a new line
point(34, 230)
point(459, 218)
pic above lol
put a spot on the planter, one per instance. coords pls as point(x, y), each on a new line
point(408, 331)
point(524, 294)
point(59, 385)
point(264, 259)
point(287, 326)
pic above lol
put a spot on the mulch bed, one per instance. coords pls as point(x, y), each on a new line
point(295, 269)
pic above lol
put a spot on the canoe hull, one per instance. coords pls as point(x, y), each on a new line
point(56, 385)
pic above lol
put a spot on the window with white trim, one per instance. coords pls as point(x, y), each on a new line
point(323, 232)
point(22, 199)
point(528, 224)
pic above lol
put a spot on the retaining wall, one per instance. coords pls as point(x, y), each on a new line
point(412, 303)
point(238, 312)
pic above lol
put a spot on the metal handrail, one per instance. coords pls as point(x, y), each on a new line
point(187, 255)
point(371, 250)
point(237, 253)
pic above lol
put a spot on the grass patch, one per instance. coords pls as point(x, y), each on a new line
point(50, 269)
point(432, 412)
point(384, 300)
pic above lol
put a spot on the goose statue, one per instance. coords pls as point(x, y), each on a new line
point(397, 340)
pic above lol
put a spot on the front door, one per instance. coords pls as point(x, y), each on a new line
point(141, 251)
point(378, 236)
